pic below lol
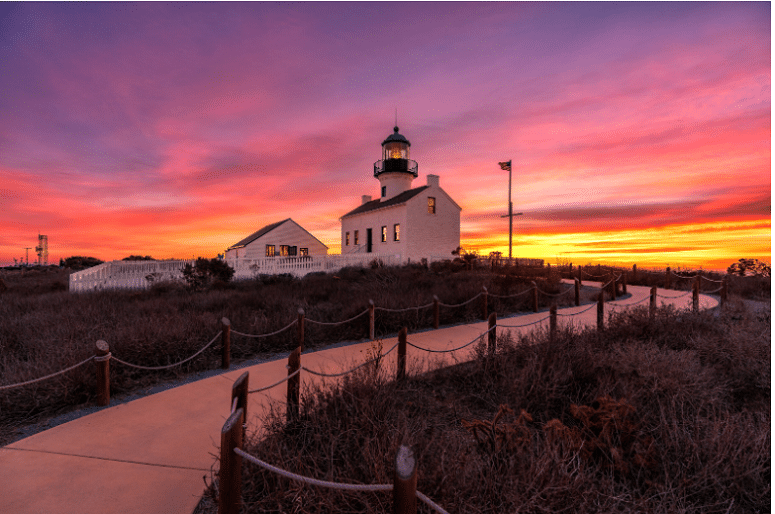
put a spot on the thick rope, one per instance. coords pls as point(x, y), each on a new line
point(406, 309)
point(630, 304)
point(314, 481)
point(709, 280)
point(332, 375)
point(267, 335)
point(154, 368)
point(674, 297)
point(526, 324)
point(577, 313)
point(591, 275)
point(453, 349)
point(557, 294)
point(714, 291)
point(430, 503)
point(332, 324)
point(11, 386)
point(510, 295)
point(461, 304)
point(276, 383)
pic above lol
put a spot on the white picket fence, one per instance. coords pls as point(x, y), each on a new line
point(143, 274)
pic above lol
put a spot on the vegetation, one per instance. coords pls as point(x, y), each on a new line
point(205, 271)
point(77, 262)
point(138, 258)
point(749, 267)
point(662, 417)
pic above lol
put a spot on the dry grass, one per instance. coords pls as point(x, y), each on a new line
point(671, 416)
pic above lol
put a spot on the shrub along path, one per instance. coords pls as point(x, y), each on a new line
point(151, 454)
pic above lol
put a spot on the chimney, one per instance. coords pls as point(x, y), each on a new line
point(433, 180)
point(365, 199)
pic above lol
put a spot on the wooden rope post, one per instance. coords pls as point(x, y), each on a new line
point(613, 287)
point(230, 474)
point(624, 282)
point(491, 339)
point(577, 286)
point(667, 278)
point(225, 343)
point(600, 310)
point(634, 273)
point(405, 482)
point(484, 302)
point(723, 291)
point(553, 323)
point(696, 295)
point(653, 303)
point(580, 274)
point(371, 320)
point(401, 365)
point(103, 372)
point(239, 390)
point(535, 297)
point(435, 312)
point(294, 383)
point(300, 329)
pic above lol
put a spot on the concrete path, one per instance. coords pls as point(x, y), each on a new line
point(150, 455)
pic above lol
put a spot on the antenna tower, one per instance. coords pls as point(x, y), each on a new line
point(42, 250)
point(28, 248)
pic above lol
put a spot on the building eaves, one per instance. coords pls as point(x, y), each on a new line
point(252, 237)
point(378, 204)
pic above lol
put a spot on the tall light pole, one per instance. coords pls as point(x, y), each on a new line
point(510, 215)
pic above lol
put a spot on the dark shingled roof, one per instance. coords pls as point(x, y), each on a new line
point(396, 200)
point(256, 235)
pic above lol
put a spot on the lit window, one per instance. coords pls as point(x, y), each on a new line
point(384, 234)
point(304, 251)
point(270, 250)
point(431, 205)
point(396, 232)
point(284, 250)
point(347, 239)
point(384, 191)
point(355, 237)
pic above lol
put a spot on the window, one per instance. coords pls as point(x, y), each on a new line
point(304, 251)
point(384, 191)
point(384, 234)
point(270, 250)
point(396, 232)
point(431, 205)
point(292, 251)
point(347, 239)
point(355, 237)
point(284, 250)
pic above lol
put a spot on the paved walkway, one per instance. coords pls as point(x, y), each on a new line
point(150, 455)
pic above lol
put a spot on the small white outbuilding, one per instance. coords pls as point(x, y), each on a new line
point(285, 238)
point(415, 223)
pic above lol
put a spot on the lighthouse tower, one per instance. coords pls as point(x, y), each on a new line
point(396, 170)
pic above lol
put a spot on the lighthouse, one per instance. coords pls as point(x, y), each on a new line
point(395, 170)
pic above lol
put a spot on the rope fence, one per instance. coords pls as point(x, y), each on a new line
point(284, 379)
point(489, 330)
point(286, 327)
point(52, 375)
point(156, 368)
point(336, 323)
point(370, 361)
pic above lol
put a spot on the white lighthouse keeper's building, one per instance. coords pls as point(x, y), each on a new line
point(415, 223)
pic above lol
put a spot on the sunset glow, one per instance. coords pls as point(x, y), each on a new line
point(639, 132)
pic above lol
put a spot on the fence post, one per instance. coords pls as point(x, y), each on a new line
point(634, 273)
point(300, 329)
point(577, 284)
point(405, 482)
point(600, 310)
point(723, 291)
point(696, 295)
point(552, 323)
point(579, 274)
point(624, 282)
point(484, 302)
point(371, 320)
point(230, 475)
point(435, 312)
point(401, 367)
point(292, 402)
point(491, 339)
point(667, 278)
point(239, 390)
point(653, 303)
point(613, 286)
point(535, 297)
point(225, 343)
point(102, 362)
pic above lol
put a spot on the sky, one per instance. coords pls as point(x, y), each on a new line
point(639, 132)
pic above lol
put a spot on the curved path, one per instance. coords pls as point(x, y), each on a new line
point(150, 455)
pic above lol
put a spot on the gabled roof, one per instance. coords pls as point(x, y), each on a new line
point(396, 200)
point(252, 237)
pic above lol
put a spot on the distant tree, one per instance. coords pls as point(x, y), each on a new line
point(138, 258)
point(749, 267)
point(205, 271)
point(78, 262)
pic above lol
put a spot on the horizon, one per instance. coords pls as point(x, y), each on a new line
point(639, 133)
